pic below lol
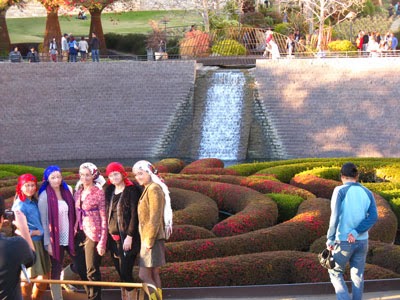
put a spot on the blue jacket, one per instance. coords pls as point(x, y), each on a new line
point(353, 210)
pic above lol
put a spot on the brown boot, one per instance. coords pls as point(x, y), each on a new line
point(26, 290)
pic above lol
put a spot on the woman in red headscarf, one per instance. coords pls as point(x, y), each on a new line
point(122, 197)
point(26, 202)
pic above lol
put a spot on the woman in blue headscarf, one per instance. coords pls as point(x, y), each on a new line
point(57, 212)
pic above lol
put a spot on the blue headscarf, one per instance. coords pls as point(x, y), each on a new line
point(46, 174)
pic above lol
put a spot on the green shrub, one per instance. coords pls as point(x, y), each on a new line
point(20, 169)
point(131, 43)
point(332, 173)
point(228, 48)
point(395, 205)
point(287, 205)
point(282, 28)
point(340, 46)
point(6, 174)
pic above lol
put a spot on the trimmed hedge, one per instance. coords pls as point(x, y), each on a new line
point(20, 169)
point(191, 208)
point(261, 184)
point(189, 232)
point(169, 165)
point(234, 199)
point(296, 234)
point(319, 186)
point(287, 205)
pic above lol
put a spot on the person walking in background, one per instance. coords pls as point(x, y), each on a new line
point(122, 198)
point(15, 56)
point(64, 48)
point(394, 43)
point(353, 213)
point(73, 49)
point(90, 227)
point(26, 203)
point(95, 47)
point(53, 50)
point(57, 213)
point(14, 252)
point(83, 48)
point(33, 56)
point(155, 224)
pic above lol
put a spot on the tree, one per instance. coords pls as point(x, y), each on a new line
point(53, 28)
point(321, 10)
point(95, 8)
point(5, 42)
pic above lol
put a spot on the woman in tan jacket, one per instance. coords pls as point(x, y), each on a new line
point(155, 224)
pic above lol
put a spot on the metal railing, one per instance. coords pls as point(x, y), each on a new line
point(143, 288)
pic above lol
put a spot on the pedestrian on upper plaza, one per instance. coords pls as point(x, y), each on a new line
point(26, 202)
point(95, 47)
point(33, 56)
point(73, 49)
point(394, 43)
point(155, 224)
point(64, 47)
point(15, 55)
point(53, 50)
point(353, 213)
point(83, 48)
point(122, 198)
point(365, 43)
point(57, 213)
point(14, 252)
point(90, 227)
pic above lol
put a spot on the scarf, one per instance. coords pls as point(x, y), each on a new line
point(117, 167)
point(24, 178)
point(151, 170)
point(52, 208)
point(98, 180)
point(52, 205)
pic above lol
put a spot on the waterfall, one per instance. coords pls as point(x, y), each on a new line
point(221, 127)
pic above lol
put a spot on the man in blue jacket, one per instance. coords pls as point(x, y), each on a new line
point(353, 213)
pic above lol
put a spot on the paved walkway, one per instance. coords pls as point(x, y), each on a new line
point(389, 295)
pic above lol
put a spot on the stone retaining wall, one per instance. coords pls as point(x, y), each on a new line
point(66, 111)
point(332, 107)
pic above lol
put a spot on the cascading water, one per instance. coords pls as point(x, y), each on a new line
point(221, 128)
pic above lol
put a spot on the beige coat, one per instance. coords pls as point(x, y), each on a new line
point(151, 215)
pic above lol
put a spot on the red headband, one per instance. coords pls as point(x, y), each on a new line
point(24, 178)
point(117, 167)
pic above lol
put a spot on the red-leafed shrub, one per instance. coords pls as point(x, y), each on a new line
point(234, 199)
point(321, 187)
point(190, 232)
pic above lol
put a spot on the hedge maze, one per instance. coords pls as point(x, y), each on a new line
point(258, 223)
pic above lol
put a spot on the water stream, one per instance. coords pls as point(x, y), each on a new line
point(221, 128)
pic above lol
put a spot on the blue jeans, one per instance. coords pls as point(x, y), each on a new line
point(95, 55)
point(355, 254)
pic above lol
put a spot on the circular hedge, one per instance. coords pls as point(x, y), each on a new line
point(279, 218)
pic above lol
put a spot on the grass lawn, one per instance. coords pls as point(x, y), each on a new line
point(25, 30)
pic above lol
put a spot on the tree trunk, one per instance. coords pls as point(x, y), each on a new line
point(52, 29)
point(97, 27)
point(5, 42)
point(205, 16)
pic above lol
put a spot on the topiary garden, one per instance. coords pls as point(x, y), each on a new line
point(257, 223)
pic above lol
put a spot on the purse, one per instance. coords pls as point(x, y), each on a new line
point(326, 259)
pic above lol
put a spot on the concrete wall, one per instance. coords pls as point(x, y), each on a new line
point(64, 111)
point(332, 107)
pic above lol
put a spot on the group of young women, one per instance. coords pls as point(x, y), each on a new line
point(127, 219)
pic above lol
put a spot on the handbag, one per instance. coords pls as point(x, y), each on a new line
point(326, 259)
